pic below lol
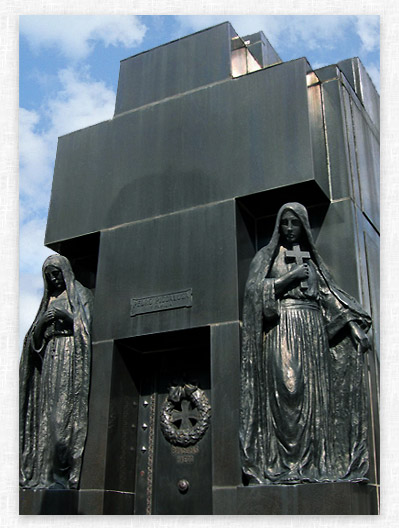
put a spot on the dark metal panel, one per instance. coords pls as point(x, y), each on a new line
point(363, 86)
point(309, 499)
point(176, 67)
point(91, 502)
point(225, 370)
point(368, 162)
point(327, 73)
point(122, 423)
point(318, 136)
point(118, 503)
point(337, 244)
point(194, 249)
point(350, 136)
point(48, 502)
point(348, 68)
point(83, 168)
point(243, 136)
point(94, 459)
point(224, 501)
point(261, 48)
point(338, 155)
point(246, 246)
point(369, 95)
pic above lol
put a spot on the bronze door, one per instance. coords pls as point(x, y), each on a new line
point(173, 466)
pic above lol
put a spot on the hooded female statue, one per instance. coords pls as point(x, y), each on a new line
point(303, 396)
point(54, 381)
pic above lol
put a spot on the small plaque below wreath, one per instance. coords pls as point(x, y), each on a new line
point(185, 415)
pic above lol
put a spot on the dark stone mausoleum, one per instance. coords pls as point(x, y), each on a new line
point(160, 211)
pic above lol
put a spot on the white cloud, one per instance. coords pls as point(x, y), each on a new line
point(81, 102)
point(75, 36)
point(315, 31)
point(368, 29)
point(310, 31)
point(32, 249)
point(36, 152)
point(374, 72)
point(243, 24)
point(303, 34)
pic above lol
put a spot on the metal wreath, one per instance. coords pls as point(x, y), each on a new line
point(190, 435)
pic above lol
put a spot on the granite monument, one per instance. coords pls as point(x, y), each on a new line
point(161, 211)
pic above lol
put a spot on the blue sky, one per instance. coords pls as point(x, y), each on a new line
point(69, 68)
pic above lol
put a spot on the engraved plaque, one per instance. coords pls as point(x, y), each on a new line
point(185, 455)
point(157, 303)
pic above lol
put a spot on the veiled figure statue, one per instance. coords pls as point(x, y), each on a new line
point(54, 382)
point(303, 394)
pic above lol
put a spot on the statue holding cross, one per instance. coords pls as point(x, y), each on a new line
point(302, 344)
point(299, 257)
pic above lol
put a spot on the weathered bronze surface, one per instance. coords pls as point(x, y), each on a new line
point(54, 382)
point(185, 415)
point(156, 303)
point(303, 397)
point(173, 461)
point(193, 169)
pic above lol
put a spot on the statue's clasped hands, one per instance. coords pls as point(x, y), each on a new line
point(56, 313)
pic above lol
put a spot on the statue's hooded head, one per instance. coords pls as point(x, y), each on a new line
point(301, 214)
point(58, 262)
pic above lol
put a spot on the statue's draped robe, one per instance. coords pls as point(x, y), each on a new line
point(303, 396)
point(54, 389)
